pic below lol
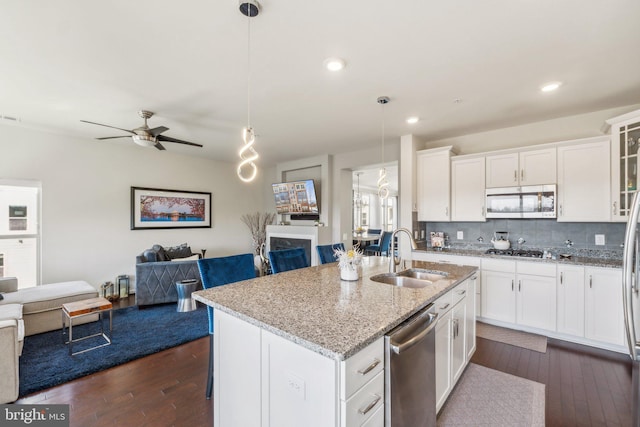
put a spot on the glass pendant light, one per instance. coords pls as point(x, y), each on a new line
point(248, 154)
point(383, 184)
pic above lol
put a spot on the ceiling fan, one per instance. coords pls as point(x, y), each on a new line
point(145, 136)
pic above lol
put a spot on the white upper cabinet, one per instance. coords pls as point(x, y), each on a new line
point(467, 189)
point(625, 141)
point(530, 167)
point(434, 184)
point(583, 182)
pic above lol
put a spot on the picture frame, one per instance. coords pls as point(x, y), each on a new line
point(156, 208)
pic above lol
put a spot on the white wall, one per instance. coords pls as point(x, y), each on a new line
point(555, 130)
point(86, 184)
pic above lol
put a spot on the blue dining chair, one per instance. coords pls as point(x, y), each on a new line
point(374, 231)
point(287, 259)
point(382, 248)
point(326, 253)
point(217, 272)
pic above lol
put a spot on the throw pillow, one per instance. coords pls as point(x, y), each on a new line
point(161, 253)
point(180, 251)
point(189, 258)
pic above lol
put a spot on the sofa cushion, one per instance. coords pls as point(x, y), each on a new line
point(13, 312)
point(49, 297)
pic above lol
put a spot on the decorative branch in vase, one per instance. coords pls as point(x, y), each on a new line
point(257, 223)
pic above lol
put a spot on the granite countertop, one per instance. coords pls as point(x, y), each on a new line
point(314, 308)
point(574, 259)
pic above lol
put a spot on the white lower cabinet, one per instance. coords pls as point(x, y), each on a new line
point(262, 380)
point(570, 285)
point(452, 339)
point(604, 318)
point(519, 292)
point(470, 317)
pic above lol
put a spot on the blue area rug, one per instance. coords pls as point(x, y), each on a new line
point(45, 360)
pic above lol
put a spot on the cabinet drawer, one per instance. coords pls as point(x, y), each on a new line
point(505, 266)
point(537, 268)
point(443, 304)
point(458, 293)
point(364, 403)
point(360, 368)
point(376, 420)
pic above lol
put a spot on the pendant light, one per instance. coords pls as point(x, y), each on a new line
point(248, 155)
point(383, 184)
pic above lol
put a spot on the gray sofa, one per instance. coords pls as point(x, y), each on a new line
point(158, 269)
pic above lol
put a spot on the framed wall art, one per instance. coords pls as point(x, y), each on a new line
point(155, 208)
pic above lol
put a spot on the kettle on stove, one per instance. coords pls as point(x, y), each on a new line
point(501, 240)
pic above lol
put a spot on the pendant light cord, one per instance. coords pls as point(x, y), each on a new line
point(249, 68)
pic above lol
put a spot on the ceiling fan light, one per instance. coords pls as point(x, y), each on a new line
point(144, 140)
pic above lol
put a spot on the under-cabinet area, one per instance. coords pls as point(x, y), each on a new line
point(322, 362)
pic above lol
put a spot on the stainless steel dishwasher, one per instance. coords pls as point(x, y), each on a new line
point(410, 372)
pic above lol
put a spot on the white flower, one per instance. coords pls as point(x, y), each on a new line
point(349, 258)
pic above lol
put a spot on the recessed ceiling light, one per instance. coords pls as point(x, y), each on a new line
point(334, 64)
point(550, 87)
point(413, 120)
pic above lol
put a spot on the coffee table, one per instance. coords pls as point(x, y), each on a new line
point(77, 309)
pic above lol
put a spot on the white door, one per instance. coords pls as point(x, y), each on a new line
point(604, 313)
point(536, 301)
point(570, 286)
point(502, 170)
point(443, 359)
point(433, 185)
point(538, 167)
point(498, 296)
point(458, 334)
point(470, 316)
point(467, 189)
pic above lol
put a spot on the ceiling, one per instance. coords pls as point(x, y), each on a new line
point(69, 60)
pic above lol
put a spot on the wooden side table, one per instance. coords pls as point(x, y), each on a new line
point(74, 310)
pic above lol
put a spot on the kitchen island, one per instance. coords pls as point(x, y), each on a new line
point(284, 343)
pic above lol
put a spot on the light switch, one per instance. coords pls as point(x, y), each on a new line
point(460, 235)
point(600, 239)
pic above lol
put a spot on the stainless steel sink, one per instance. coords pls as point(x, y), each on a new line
point(411, 278)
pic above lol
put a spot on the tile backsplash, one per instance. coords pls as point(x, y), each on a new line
point(538, 233)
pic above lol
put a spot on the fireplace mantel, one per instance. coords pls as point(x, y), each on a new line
point(315, 235)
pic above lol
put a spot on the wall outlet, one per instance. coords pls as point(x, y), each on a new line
point(600, 239)
point(295, 384)
point(460, 235)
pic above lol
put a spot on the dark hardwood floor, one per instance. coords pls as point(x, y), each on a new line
point(584, 386)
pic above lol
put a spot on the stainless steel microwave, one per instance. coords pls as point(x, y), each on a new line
point(534, 201)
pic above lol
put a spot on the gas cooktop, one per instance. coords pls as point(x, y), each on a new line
point(515, 252)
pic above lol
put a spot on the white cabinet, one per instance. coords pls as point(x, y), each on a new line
point(603, 305)
point(570, 286)
point(522, 293)
point(625, 141)
point(528, 167)
point(262, 379)
point(470, 327)
point(451, 340)
point(536, 296)
point(467, 189)
point(434, 184)
point(498, 290)
point(584, 182)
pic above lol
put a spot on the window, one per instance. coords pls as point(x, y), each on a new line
point(20, 232)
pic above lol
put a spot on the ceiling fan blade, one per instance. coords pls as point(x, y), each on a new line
point(179, 141)
point(157, 131)
point(159, 146)
point(114, 137)
point(107, 126)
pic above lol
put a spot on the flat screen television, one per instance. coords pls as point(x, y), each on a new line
point(296, 198)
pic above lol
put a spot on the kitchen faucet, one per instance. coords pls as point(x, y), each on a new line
point(395, 261)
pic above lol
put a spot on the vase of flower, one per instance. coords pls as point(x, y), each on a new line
point(349, 263)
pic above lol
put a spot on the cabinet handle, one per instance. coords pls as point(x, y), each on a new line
point(482, 211)
point(522, 174)
point(519, 285)
point(462, 292)
point(560, 210)
point(444, 306)
point(369, 368)
point(561, 273)
point(590, 281)
point(446, 211)
point(511, 284)
point(615, 206)
point(370, 406)
point(515, 176)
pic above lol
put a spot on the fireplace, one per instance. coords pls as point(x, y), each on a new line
point(298, 236)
